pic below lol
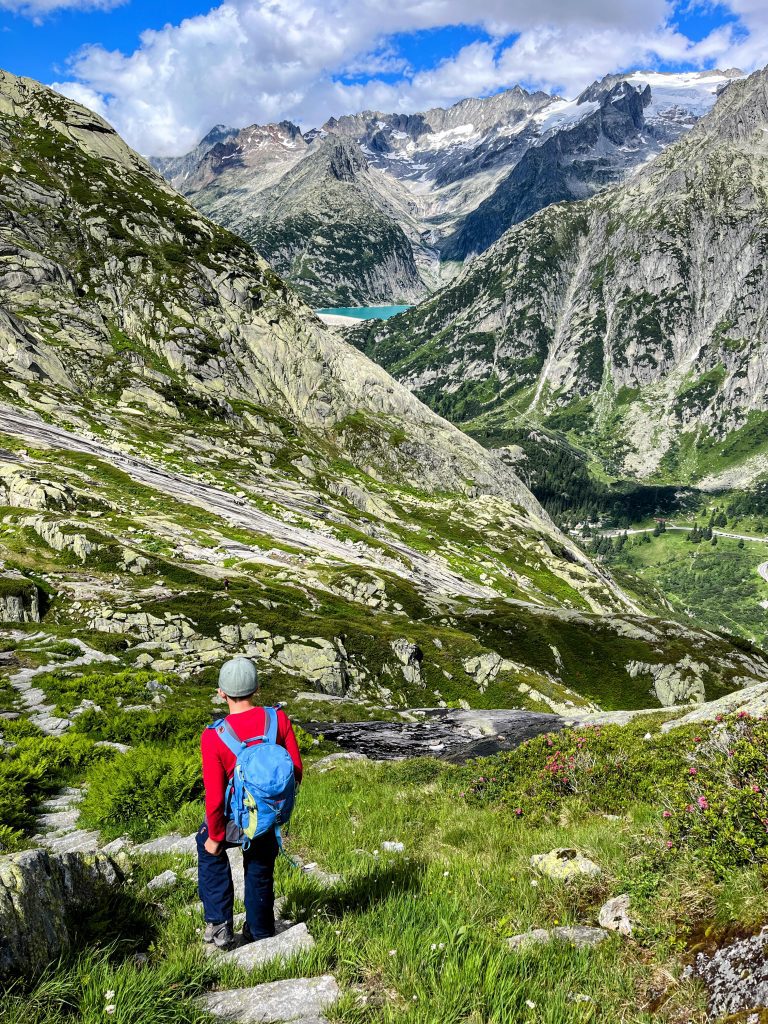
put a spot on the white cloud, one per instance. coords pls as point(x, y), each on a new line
point(250, 61)
point(39, 9)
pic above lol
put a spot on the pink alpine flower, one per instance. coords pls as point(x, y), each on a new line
point(667, 814)
point(703, 803)
point(670, 844)
point(690, 808)
point(756, 789)
point(693, 771)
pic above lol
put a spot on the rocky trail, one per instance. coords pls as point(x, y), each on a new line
point(33, 698)
point(299, 1000)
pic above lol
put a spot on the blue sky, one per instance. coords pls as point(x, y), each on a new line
point(163, 73)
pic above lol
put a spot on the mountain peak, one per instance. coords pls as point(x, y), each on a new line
point(345, 158)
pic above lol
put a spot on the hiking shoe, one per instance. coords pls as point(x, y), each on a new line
point(221, 935)
point(248, 937)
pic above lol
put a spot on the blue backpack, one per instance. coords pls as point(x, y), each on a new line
point(261, 793)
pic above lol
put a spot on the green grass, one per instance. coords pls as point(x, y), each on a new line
point(717, 587)
point(419, 937)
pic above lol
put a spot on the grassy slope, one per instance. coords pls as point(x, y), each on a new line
point(418, 938)
point(718, 587)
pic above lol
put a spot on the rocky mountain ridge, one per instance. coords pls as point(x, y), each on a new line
point(194, 466)
point(635, 320)
point(443, 184)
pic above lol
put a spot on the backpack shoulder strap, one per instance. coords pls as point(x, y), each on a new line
point(228, 736)
point(271, 726)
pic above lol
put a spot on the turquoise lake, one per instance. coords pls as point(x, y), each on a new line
point(366, 312)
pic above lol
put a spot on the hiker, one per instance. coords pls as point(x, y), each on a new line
point(238, 683)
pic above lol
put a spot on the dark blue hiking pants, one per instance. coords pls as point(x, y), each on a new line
point(214, 883)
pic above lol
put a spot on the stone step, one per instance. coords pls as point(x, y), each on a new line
point(78, 841)
point(50, 724)
point(59, 820)
point(295, 939)
point(62, 801)
point(173, 843)
point(300, 1000)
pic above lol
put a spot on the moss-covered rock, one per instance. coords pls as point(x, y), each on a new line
point(39, 893)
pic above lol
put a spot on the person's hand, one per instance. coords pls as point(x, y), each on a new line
point(212, 846)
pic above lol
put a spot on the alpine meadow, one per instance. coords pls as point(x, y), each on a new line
point(409, 430)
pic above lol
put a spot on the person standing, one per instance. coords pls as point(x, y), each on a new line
point(238, 685)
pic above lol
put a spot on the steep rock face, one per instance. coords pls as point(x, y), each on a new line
point(571, 163)
point(637, 319)
point(110, 281)
point(120, 302)
point(183, 171)
point(328, 228)
point(40, 895)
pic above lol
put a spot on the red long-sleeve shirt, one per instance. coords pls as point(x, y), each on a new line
point(219, 761)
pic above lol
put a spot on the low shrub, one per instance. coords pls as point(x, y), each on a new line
point(39, 765)
point(177, 724)
point(140, 789)
point(720, 807)
point(607, 768)
point(106, 688)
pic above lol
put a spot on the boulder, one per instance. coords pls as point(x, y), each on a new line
point(485, 667)
point(19, 598)
point(39, 894)
point(326, 764)
point(173, 843)
point(410, 657)
point(736, 976)
point(678, 683)
point(165, 880)
point(20, 487)
point(322, 663)
point(564, 864)
point(614, 915)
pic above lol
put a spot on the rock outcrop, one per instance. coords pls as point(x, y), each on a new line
point(736, 977)
point(19, 598)
point(39, 894)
